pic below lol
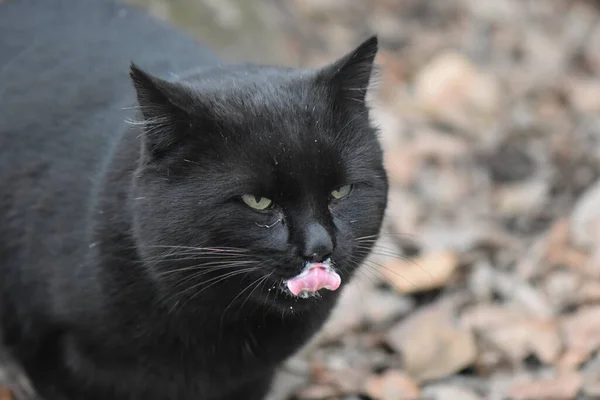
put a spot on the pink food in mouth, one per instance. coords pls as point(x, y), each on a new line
point(313, 280)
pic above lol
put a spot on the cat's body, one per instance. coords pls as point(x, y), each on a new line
point(103, 226)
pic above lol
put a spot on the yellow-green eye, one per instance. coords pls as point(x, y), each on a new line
point(258, 203)
point(342, 191)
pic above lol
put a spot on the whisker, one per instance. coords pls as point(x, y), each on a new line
point(216, 249)
point(374, 266)
point(211, 265)
point(390, 253)
point(214, 281)
point(242, 292)
point(256, 287)
point(206, 271)
point(377, 236)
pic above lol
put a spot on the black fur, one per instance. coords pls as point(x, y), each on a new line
point(116, 239)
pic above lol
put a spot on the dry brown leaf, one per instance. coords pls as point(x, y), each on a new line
point(582, 330)
point(514, 332)
point(433, 270)
point(537, 337)
point(453, 90)
point(585, 220)
point(585, 95)
point(571, 359)
point(521, 197)
point(563, 387)
point(491, 316)
point(562, 288)
point(589, 292)
point(392, 385)
point(449, 392)
point(558, 239)
point(560, 251)
point(431, 344)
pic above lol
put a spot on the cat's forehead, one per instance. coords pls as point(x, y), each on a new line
point(280, 125)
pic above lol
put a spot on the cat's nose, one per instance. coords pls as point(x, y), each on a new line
point(318, 244)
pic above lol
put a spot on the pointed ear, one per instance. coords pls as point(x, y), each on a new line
point(165, 107)
point(350, 75)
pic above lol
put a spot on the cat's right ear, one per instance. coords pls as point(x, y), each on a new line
point(349, 77)
point(165, 107)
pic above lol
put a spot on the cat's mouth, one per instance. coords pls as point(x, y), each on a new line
point(313, 278)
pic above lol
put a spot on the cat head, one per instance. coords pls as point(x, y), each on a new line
point(260, 183)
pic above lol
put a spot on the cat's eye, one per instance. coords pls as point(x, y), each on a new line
point(340, 192)
point(257, 203)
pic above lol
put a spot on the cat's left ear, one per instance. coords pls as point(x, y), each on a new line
point(349, 76)
point(166, 107)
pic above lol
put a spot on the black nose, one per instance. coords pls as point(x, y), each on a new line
point(317, 245)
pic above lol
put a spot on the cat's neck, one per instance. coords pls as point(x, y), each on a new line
point(116, 260)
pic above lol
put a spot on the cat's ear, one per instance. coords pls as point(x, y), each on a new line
point(165, 107)
point(349, 76)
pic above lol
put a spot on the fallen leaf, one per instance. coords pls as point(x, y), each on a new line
point(585, 219)
point(451, 89)
point(560, 252)
point(563, 387)
point(515, 333)
point(582, 330)
point(449, 392)
point(392, 385)
point(571, 359)
point(585, 95)
point(430, 271)
point(589, 292)
point(521, 197)
point(491, 316)
point(562, 288)
point(529, 337)
point(431, 344)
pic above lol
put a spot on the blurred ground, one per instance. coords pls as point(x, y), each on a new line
point(486, 282)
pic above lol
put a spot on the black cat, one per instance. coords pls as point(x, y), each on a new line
point(187, 254)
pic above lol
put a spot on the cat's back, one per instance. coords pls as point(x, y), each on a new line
point(64, 67)
point(64, 94)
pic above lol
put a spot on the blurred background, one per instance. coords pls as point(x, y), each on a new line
point(486, 281)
